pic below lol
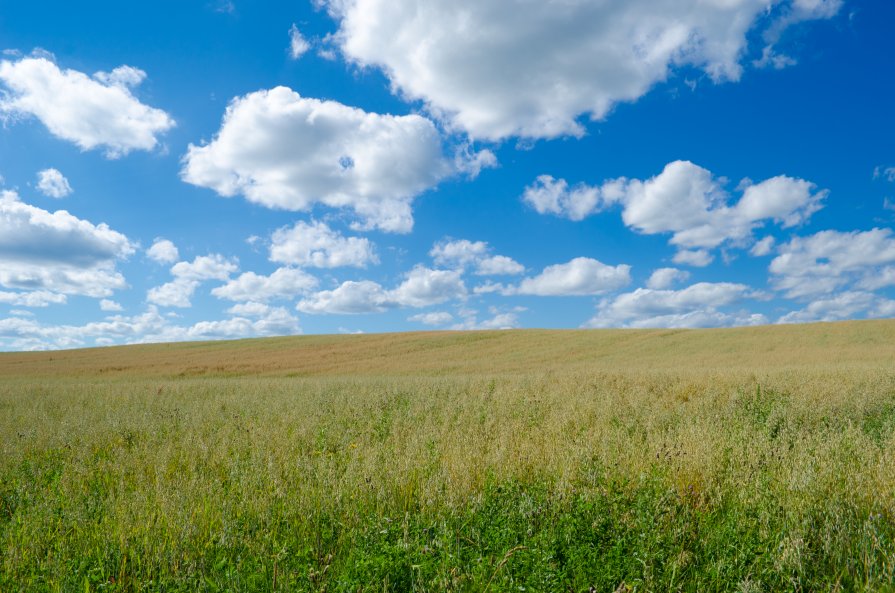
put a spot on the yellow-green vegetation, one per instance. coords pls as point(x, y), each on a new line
point(754, 459)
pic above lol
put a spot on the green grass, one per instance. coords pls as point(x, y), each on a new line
point(454, 462)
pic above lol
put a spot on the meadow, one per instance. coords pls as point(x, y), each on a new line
point(748, 459)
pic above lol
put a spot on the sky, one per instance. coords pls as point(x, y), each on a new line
point(215, 169)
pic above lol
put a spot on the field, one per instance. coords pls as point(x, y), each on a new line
point(751, 459)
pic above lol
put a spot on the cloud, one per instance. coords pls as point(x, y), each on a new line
point(470, 162)
point(163, 251)
point(695, 306)
point(315, 244)
point(122, 77)
point(499, 320)
point(581, 276)
point(277, 321)
point(283, 283)
point(845, 305)
point(349, 298)
point(187, 278)
point(249, 309)
point(205, 267)
point(887, 173)
point(298, 45)
point(880, 277)
point(285, 151)
point(52, 183)
point(499, 265)
point(90, 112)
point(57, 252)
point(823, 262)
point(433, 318)
point(17, 333)
point(763, 247)
point(553, 196)
point(460, 253)
point(686, 201)
point(37, 298)
point(176, 293)
point(665, 277)
point(476, 254)
point(110, 305)
point(698, 258)
point(422, 287)
point(789, 14)
point(785, 200)
point(225, 7)
point(531, 69)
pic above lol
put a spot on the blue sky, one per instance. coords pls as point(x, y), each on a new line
point(202, 170)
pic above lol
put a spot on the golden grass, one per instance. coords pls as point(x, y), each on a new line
point(854, 344)
point(182, 457)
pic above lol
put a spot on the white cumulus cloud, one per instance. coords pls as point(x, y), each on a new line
point(283, 283)
point(176, 293)
point(763, 246)
point(477, 254)
point(665, 277)
point(110, 305)
point(498, 265)
point(205, 267)
point(163, 251)
point(58, 252)
point(698, 258)
point(282, 150)
point(17, 333)
point(91, 112)
point(37, 298)
point(688, 202)
point(277, 321)
point(699, 305)
point(501, 68)
point(52, 183)
point(348, 298)
point(498, 320)
point(433, 318)
point(581, 276)
point(249, 309)
point(298, 45)
point(187, 278)
point(421, 287)
point(789, 14)
point(315, 244)
point(554, 196)
point(828, 260)
point(845, 305)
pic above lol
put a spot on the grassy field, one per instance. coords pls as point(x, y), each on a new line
point(752, 459)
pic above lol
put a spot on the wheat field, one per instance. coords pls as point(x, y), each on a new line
point(749, 459)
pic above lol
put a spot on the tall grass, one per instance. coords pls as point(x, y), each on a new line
point(693, 479)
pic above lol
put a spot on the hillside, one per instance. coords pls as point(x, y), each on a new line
point(748, 459)
point(819, 345)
